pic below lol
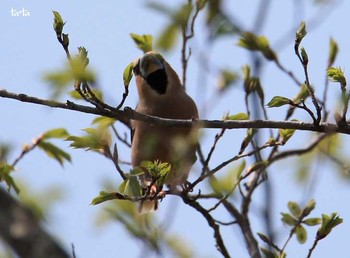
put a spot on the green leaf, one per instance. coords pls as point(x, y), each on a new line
point(65, 39)
point(302, 94)
point(167, 38)
point(288, 219)
point(137, 171)
point(5, 170)
point(294, 208)
point(269, 254)
point(103, 197)
point(264, 238)
point(310, 206)
point(304, 56)
point(301, 234)
point(95, 139)
point(337, 75)
point(143, 42)
point(127, 74)
point(54, 152)
point(200, 4)
point(58, 133)
point(58, 80)
point(79, 71)
point(58, 23)
point(257, 166)
point(82, 56)
point(279, 101)
point(328, 223)
point(286, 134)
point(247, 139)
point(252, 42)
point(103, 121)
point(312, 221)
point(238, 116)
point(300, 34)
point(333, 51)
point(226, 79)
point(226, 184)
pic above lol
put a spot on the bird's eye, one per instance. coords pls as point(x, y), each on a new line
point(136, 69)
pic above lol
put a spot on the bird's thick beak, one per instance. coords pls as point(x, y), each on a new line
point(150, 63)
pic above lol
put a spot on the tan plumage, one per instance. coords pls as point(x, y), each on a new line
point(161, 94)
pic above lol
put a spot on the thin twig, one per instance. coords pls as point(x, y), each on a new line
point(115, 159)
point(212, 149)
point(185, 38)
point(120, 138)
point(312, 248)
point(211, 222)
point(26, 149)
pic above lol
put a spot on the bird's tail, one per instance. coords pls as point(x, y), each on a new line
point(147, 206)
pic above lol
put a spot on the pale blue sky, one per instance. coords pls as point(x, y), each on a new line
point(29, 48)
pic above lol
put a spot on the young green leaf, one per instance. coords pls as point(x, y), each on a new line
point(54, 152)
point(59, 133)
point(257, 43)
point(200, 4)
point(167, 39)
point(257, 166)
point(143, 42)
point(337, 75)
point(312, 221)
point(127, 74)
point(279, 101)
point(95, 139)
point(286, 134)
point(302, 94)
point(268, 253)
point(328, 223)
point(238, 116)
point(300, 34)
point(226, 79)
point(301, 234)
point(304, 56)
point(247, 139)
point(65, 39)
point(226, 184)
point(103, 121)
point(294, 209)
point(58, 23)
point(310, 206)
point(5, 170)
point(288, 219)
point(333, 52)
point(103, 197)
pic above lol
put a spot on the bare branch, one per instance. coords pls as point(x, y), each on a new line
point(212, 223)
point(128, 113)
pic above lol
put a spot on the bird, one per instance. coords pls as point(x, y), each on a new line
point(162, 94)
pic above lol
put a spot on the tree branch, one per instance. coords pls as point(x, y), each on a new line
point(23, 233)
point(128, 113)
point(212, 223)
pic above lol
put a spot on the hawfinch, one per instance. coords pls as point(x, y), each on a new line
point(161, 94)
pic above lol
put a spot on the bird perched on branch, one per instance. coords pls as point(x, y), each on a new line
point(161, 94)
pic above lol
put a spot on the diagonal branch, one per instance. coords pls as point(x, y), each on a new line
point(212, 223)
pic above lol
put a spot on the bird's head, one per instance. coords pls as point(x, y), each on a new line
point(151, 69)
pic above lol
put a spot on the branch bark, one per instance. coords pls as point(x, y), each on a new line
point(20, 230)
point(128, 113)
